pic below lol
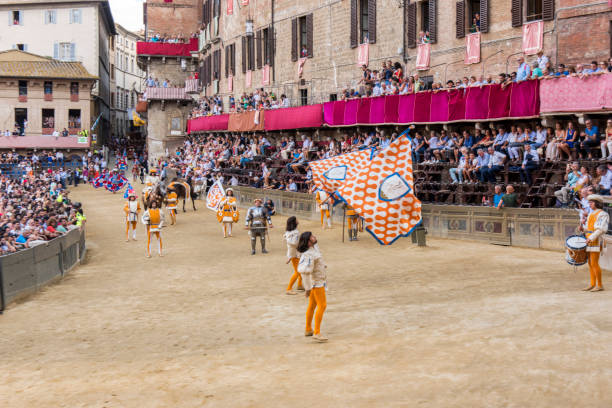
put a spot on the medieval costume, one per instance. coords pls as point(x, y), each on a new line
point(353, 222)
point(323, 201)
point(151, 182)
point(257, 222)
point(291, 237)
point(132, 210)
point(171, 203)
point(596, 226)
point(313, 271)
point(153, 218)
point(227, 214)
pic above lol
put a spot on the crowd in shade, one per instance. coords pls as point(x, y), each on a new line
point(34, 205)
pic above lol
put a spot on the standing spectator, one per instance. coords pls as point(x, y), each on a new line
point(509, 199)
point(524, 70)
point(542, 60)
point(497, 196)
point(607, 142)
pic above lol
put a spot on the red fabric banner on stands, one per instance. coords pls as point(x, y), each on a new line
point(309, 116)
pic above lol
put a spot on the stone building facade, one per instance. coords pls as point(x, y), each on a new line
point(329, 32)
point(40, 96)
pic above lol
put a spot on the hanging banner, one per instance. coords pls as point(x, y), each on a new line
point(265, 75)
point(230, 7)
point(230, 83)
point(245, 2)
point(423, 55)
point(363, 55)
point(533, 37)
point(249, 79)
point(215, 195)
point(301, 63)
point(472, 48)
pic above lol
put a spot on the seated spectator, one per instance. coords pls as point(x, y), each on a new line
point(457, 173)
point(591, 139)
point(292, 186)
point(531, 161)
point(604, 179)
point(495, 165)
point(572, 175)
point(482, 163)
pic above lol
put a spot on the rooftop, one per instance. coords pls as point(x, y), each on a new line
point(21, 64)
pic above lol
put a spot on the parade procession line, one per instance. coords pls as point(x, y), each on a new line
point(455, 324)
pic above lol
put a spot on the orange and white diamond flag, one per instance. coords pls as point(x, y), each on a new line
point(215, 195)
point(330, 174)
point(382, 192)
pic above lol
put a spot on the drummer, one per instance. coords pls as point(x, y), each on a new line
point(595, 227)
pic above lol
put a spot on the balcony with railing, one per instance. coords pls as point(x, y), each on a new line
point(167, 49)
point(160, 93)
point(43, 142)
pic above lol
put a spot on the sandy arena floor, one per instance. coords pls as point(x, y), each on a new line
point(451, 325)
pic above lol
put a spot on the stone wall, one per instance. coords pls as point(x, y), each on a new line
point(531, 228)
point(181, 17)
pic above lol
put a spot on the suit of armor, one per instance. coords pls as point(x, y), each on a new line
point(257, 221)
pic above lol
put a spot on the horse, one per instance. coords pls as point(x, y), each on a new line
point(184, 191)
point(156, 194)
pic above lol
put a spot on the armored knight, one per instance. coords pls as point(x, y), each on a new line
point(257, 222)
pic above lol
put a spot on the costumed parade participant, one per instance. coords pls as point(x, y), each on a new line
point(313, 268)
point(151, 182)
point(323, 200)
point(596, 226)
point(116, 181)
point(257, 222)
point(353, 222)
point(132, 210)
point(101, 179)
point(292, 235)
point(171, 203)
point(228, 212)
point(153, 218)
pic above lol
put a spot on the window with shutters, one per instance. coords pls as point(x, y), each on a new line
point(304, 96)
point(364, 35)
point(66, 51)
point(266, 43)
point(251, 53)
point(50, 17)
point(411, 25)
point(23, 88)
point(16, 17)
point(534, 10)
point(473, 15)
point(48, 88)
point(425, 17)
point(75, 16)
point(303, 37)
point(233, 59)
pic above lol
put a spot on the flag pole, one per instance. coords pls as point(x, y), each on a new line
point(343, 220)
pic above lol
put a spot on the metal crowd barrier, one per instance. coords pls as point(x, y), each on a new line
point(25, 272)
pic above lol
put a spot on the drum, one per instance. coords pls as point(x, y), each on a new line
point(576, 250)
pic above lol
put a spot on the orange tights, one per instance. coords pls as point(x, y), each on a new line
point(296, 275)
point(159, 240)
point(127, 229)
point(594, 269)
point(316, 300)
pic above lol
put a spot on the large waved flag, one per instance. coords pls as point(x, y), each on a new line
point(381, 190)
point(215, 195)
point(330, 174)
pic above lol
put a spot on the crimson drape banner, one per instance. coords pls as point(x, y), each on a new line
point(265, 75)
point(230, 83)
point(168, 49)
point(381, 190)
point(249, 78)
point(308, 116)
point(208, 123)
point(301, 63)
point(363, 54)
point(330, 174)
point(533, 37)
point(230, 7)
point(593, 93)
point(472, 48)
point(423, 56)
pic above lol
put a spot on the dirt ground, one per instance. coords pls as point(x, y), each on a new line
point(456, 324)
